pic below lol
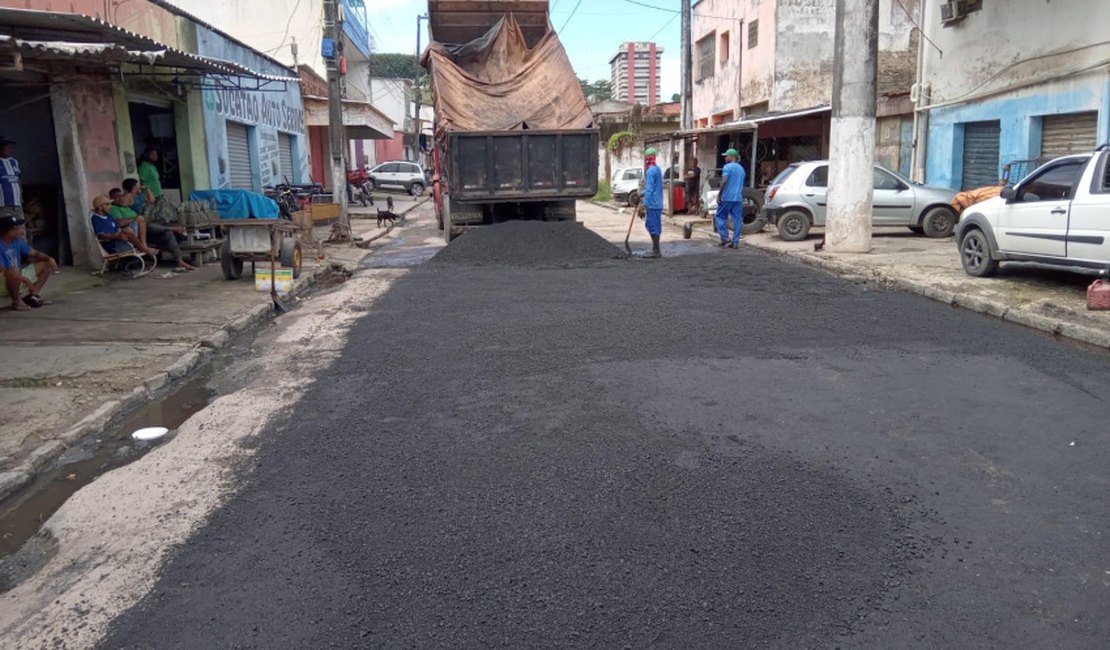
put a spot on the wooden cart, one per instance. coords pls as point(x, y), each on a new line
point(259, 240)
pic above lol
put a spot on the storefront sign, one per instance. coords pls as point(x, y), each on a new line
point(254, 107)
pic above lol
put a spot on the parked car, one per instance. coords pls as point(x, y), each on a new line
point(1056, 216)
point(626, 185)
point(398, 174)
point(796, 202)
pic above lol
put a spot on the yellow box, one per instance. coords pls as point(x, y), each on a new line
point(283, 278)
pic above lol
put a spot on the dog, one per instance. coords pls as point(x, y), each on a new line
point(386, 215)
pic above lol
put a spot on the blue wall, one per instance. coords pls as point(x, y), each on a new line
point(268, 113)
point(355, 25)
point(1020, 114)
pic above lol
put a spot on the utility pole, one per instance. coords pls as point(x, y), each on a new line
point(416, 93)
point(336, 129)
point(852, 139)
point(687, 67)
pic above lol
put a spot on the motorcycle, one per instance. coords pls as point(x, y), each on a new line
point(359, 180)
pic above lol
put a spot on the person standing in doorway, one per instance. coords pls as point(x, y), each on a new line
point(149, 175)
point(693, 189)
point(653, 202)
point(11, 188)
point(730, 200)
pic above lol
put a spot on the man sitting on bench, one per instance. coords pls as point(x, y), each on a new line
point(164, 237)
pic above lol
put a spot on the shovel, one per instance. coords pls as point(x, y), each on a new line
point(627, 235)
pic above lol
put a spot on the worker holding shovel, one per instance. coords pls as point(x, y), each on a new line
point(653, 202)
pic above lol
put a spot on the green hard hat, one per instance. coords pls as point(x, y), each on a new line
point(650, 151)
point(732, 152)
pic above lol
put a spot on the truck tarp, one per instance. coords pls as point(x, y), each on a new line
point(498, 83)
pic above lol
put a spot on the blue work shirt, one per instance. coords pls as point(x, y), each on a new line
point(732, 183)
point(11, 255)
point(653, 188)
point(104, 224)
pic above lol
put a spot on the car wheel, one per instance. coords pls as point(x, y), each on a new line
point(633, 198)
point(371, 185)
point(976, 254)
point(938, 222)
point(416, 189)
point(794, 225)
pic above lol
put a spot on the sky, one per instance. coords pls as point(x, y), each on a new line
point(591, 35)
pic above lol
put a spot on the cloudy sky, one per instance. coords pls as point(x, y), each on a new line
point(591, 35)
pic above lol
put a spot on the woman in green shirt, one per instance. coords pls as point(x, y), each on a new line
point(149, 174)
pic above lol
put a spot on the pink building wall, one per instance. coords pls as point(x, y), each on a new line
point(391, 149)
point(747, 78)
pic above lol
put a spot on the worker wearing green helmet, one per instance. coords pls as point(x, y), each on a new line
point(653, 202)
point(730, 200)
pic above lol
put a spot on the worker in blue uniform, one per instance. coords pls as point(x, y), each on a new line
point(730, 200)
point(653, 202)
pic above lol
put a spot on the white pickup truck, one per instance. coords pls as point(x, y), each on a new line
point(1058, 216)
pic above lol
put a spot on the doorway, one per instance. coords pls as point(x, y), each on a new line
point(153, 126)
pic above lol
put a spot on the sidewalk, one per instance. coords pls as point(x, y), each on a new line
point(1050, 301)
point(108, 345)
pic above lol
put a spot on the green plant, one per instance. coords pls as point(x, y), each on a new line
point(620, 141)
point(604, 191)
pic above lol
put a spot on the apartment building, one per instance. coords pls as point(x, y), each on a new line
point(635, 73)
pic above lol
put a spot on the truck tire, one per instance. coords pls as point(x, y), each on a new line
point(754, 221)
point(291, 255)
point(448, 231)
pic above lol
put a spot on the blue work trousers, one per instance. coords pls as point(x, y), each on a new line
point(736, 210)
point(653, 221)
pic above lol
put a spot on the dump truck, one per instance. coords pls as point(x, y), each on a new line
point(514, 135)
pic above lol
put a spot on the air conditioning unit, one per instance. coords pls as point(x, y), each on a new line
point(952, 11)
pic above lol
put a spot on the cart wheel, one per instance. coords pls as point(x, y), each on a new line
point(291, 256)
point(232, 267)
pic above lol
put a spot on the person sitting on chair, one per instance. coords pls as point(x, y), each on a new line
point(164, 236)
point(112, 238)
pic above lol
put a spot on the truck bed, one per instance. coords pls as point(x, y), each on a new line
point(528, 165)
point(461, 21)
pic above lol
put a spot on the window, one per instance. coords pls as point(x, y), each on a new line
point(1053, 184)
point(724, 49)
point(706, 63)
point(819, 177)
point(886, 181)
point(753, 34)
point(414, 169)
point(632, 175)
point(391, 168)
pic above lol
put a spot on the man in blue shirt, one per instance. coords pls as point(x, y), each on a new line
point(653, 202)
point(13, 250)
point(730, 200)
point(11, 190)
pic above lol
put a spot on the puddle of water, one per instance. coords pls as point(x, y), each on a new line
point(22, 515)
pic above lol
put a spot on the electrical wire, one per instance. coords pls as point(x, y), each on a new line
point(918, 27)
point(572, 12)
point(288, 25)
point(679, 11)
point(665, 25)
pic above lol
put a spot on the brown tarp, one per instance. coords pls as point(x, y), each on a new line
point(496, 83)
point(965, 200)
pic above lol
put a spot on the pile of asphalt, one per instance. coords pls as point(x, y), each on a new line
point(529, 243)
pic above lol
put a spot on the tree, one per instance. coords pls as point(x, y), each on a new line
point(596, 91)
point(676, 97)
point(396, 66)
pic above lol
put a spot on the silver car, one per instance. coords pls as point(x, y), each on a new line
point(398, 174)
point(796, 202)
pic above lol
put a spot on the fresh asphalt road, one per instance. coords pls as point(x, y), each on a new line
point(707, 451)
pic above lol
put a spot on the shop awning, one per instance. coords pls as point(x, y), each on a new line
point(363, 121)
point(749, 124)
point(50, 36)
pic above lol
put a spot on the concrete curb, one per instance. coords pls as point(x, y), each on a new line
point(886, 280)
point(19, 477)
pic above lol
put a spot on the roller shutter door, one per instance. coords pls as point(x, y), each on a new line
point(239, 156)
point(285, 153)
point(1066, 134)
point(981, 147)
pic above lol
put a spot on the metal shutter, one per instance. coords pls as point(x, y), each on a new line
point(285, 153)
point(239, 156)
point(981, 154)
point(1066, 134)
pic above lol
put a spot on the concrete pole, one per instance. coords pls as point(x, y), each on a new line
point(687, 67)
point(852, 146)
point(920, 112)
point(336, 129)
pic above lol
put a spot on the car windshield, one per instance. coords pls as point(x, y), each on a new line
point(783, 175)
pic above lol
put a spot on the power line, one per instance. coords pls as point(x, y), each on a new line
point(665, 25)
point(572, 12)
point(288, 24)
point(918, 27)
point(677, 11)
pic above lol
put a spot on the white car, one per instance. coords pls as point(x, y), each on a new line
point(1057, 216)
point(626, 184)
point(398, 174)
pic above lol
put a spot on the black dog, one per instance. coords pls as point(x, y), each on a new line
point(386, 215)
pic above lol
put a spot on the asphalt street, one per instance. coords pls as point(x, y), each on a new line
point(714, 450)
